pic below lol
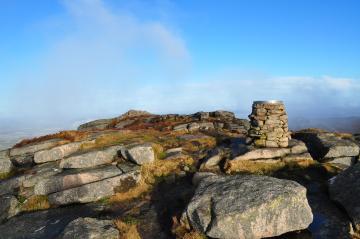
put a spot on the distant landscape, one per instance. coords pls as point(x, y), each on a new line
point(12, 132)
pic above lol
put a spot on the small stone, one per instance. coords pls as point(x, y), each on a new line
point(141, 154)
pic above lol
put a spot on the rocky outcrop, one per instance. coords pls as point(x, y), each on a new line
point(40, 172)
point(91, 159)
point(100, 124)
point(23, 156)
point(11, 185)
point(8, 207)
point(140, 154)
point(75, 178)
point(56, 153)
point(248, 207)
point(5, 164)
point(120, 122)
point(95, 191)
point(269, 159)
point(327, 147)
point(345, 190)
point(90, 228)
point(45, 224)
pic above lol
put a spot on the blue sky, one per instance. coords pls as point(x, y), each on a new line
point(71, 60)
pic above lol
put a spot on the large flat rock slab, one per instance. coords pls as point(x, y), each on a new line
point(45, 224)
point(24, 156)
point(75, 178)
point(90, 228)
point(95, 191)
point(248, 206)
point(327, 146)
point(56, 153)
point(345, 190)
point(263, 153)
point(91, 159)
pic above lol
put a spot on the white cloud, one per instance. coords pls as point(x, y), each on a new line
point(107, 62)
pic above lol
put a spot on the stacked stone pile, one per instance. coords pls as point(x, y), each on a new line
point(269, 124)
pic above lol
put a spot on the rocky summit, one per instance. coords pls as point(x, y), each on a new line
point(202, 175)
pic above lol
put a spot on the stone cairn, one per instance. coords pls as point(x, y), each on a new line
point(269, 124)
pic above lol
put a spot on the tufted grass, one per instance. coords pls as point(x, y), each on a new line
point(69, 135)
point(34, 203)
point(127, 230)
point(150, 174)
point(264, 167)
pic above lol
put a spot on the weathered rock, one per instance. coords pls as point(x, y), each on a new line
point(173, 151)
point(126, 167)
point(178, 155)
point(24, 156)
point(215, 157)
point(46, 224)
point(134, 113)
point(297, 157)
point(91, 159)
point(8, 207)
point(124, 123)
point(199, 176)
point(31, 149)
point(248, 207)
point(56, 153)
point(90, 228)
point(345, 190)
point(5, 164)
point(263, 153)
point(95, 191)
point(206, 125)
point(193, 126)
point(323, 146)
point(297, 146)
point(227, 115)
point(202, 115)
point(40, 172)
point(181, 127)
point(235, 127)
point(95, 125)
point(346, 161)
point(141, 154)
point(75, 178)
point(11, 185)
